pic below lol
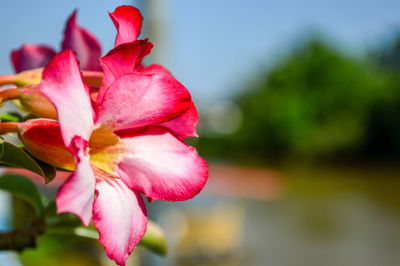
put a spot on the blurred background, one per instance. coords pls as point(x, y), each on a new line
point(299, 107)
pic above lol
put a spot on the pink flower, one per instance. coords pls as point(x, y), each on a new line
point(122, 145)
point(127, 142)
point(31, 56)
point(88, 49)
point(125, 58)
point(126, 19)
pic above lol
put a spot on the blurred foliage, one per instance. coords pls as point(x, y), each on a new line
point(388, 55)
point(53, 248)
point(36, 223)
point(22, 187)
point(317, 104)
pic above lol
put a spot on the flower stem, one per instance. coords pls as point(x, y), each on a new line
point(9, 94)
point(8, 127)
point(7, 79)
point(20, 239)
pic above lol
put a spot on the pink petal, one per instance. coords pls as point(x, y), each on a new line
point(128, 22)
point(156, 69)
point(184, 125)
point(126, 58)
point(84, 43)
point(62, 84)
point(119, 214)
point(31, 56)
point(121, 60)
point(161, 166)
point(136, 100)
point(77, 194)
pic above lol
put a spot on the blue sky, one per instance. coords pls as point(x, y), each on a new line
point(211, 46)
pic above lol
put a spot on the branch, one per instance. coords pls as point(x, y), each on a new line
point(19, 239)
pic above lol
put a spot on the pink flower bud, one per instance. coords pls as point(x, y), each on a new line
point(42, 138)
point(35, 103)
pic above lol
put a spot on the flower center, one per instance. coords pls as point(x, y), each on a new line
point(105, 149)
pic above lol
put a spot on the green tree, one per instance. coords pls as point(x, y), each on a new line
point(317, 103)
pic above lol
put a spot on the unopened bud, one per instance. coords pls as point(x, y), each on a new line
point(28, 77)
point(30, 100)
point(42, 138)
point(34, 102)
point(23, 78)
point(34, 76)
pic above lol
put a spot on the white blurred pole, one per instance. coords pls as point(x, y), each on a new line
point(157, 28)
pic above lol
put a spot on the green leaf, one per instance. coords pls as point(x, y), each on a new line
point(48, 170)
point(16, 157)
point(50, 210)
point(23, 188)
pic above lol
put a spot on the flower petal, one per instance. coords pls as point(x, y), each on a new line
point(161, 166)
point(121, 60)
point(62, 84)
point(126, 58)
point(77, 194)
point(156, 69)
point(84, 43)
point(31, 56)
point(119, 214)
point(136, 100)
point(128, 22)
point(184, 125)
